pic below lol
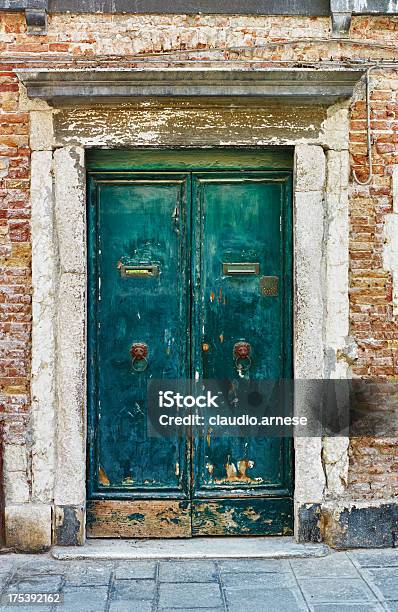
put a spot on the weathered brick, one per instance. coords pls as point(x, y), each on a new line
point(102, 36)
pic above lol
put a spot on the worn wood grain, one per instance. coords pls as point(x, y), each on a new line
point(255, 516)
point(138, 519)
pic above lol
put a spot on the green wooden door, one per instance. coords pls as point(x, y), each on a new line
point(162, 228)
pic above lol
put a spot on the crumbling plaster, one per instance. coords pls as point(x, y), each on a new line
point(58, 138)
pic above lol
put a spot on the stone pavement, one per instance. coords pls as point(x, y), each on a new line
point(342, 581)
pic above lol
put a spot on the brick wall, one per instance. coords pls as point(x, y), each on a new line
point(15, 310)
point(97, 39)
point(373, 463)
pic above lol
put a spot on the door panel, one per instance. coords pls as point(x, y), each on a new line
point(139, 220)
point(157, 245)
point(236, 516)
point(241, 219)
point(139, 518)
point(240, 222)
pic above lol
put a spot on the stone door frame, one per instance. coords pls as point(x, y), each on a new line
point(56, 511)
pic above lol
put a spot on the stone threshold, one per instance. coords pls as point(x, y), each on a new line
point(195, 548)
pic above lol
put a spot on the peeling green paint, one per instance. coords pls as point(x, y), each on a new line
point(187, 224)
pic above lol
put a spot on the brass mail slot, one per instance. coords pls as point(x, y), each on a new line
point(139, 271)
point(230, 269)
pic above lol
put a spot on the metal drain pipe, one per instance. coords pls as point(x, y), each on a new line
point(368, 126)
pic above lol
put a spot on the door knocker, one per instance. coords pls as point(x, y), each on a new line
point(242, 352)
point(139, 354)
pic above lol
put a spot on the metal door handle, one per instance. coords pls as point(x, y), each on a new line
point(139, 354)
point(242, 355)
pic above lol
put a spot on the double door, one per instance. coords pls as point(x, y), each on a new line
point(189, 258)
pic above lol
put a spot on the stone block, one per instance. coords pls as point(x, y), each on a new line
point(309, 264)
point(135, 570)
point(308, 522)
point(360, 524)
point(28, 527)
point(252, 580)
point(85, 599)
point(70, 208)
point(187, 571)
point(335, 459)
point(336, 563)
point(85, 574)
point(35, 584)
point(335, 132)
point(259, 566)
point(41, 130)
point(180, 595)
point(70, 488)
point(69, 522)
point(145, 606)
point(134, 590)
point(376, 558)
point(16, 488)
point(334, 589)
point(338, 171)
point(44, 273)
point(15, 458)
point(310, 168)
point(262, 599)
point(310, 486)
point(386, 580)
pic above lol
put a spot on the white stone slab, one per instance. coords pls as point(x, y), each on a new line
point(195, 548)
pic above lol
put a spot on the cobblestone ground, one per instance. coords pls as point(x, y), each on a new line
point(358, 580)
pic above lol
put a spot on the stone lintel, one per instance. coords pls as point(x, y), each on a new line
point(305, 85)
